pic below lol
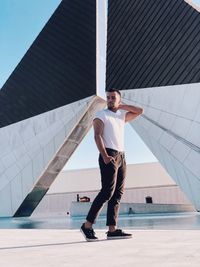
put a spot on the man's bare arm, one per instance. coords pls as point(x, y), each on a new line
point(98, 126)
point(132, 113)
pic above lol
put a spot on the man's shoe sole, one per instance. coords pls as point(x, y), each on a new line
point(118, 237)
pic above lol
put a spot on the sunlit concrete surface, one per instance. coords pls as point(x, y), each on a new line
point(43, 248)
point(171, 130)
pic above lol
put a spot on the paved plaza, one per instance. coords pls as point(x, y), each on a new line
point(48, 248)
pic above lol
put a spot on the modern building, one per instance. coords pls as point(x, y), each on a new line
point(47, 106)
point(145, 182)
point(153, 56)
point(48, 103)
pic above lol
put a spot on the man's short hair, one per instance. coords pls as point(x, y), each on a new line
point(113, 90)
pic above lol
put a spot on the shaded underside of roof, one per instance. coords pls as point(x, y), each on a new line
point(152, 43)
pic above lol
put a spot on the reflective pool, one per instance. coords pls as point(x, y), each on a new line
point(162, 221)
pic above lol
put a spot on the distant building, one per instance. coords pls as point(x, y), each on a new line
point(146, 182)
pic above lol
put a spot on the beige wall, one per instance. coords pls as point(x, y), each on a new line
point(138, 175)
point(60, 203)
point(147, 179)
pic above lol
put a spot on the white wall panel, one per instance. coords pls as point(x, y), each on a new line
point(32, 147)
point(156, 150)
point(195, 188)
point(183, 180)
point(180, 151)
point(5, 200)
point(145, 124)
point(58, 139)
point(38, 165)
point(3, 181)
point(192, 162)
point(26, 130)
point(2, 168)
point(181, 126)
point(48, 151)
point(23, 161)
point(169, 164)
point(193, 134)
point(15, 139)
point(153, 113)
point(8, 160)
point(16, 192)
point(12, 171)
point(19, 152)
point(167, 141)
point(166, 119)
point(29, 145)
point(27, 178)
point(156, 132)
point(197, 115)
point(175, 133)
point(190, 102)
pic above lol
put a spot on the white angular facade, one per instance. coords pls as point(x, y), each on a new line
point(170, 127)
point(153, 57)
point(47, 106)
point(28, 148)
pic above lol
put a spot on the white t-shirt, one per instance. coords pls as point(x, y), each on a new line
point(113, 133)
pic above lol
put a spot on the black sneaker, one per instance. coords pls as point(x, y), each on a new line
point(89, 234)
point(118, 234)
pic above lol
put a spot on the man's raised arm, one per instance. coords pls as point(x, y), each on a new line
point(132, 113)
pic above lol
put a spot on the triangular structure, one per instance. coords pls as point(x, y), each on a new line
point(153, 56)
point(47, 106)
point(48, 103)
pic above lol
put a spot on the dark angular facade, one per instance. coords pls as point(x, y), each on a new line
point(58, 69)
point(152, 43)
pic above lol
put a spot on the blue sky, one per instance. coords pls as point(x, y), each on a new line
point(20, 23)
point(197, 2)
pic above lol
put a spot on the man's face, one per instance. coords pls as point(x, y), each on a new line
point(113, 100)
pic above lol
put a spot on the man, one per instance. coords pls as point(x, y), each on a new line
point(109, 137)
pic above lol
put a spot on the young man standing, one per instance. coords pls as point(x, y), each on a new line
point(109, 137)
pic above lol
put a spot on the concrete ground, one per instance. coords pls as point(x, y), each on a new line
point(60, 248)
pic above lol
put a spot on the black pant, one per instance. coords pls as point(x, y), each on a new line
point(112, 180)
